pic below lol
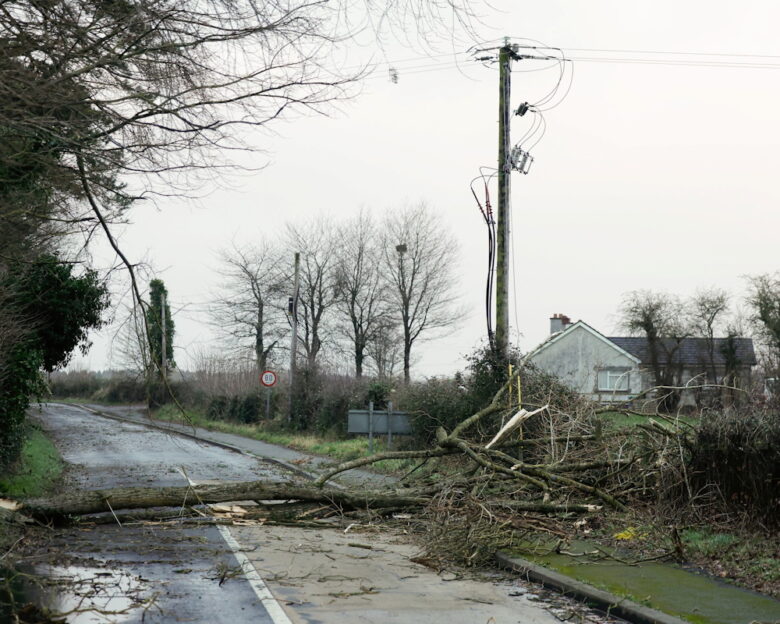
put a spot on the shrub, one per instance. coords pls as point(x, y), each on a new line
point(445, 402)
point(379, 392)
point(76, 384)
point(435, 403)
point(124, 390)
point(20, 381)
point(217, 408)
point(739, 454)
point(250, 409)
point(321, 401)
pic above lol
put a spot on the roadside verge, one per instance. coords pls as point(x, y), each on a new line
point(603, 600)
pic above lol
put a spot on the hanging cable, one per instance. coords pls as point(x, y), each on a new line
point(487, 215)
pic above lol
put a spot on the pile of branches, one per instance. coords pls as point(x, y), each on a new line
point(550, 459)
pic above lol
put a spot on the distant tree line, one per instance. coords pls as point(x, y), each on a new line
point(370, 291)
point(667, 320)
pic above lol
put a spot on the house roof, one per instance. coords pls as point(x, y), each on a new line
point(692, 351)
point(582, 324)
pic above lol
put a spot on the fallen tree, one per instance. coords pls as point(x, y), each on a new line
point(576, 468)
point(82, 503)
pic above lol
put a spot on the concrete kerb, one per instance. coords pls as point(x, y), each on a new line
point(152, 425)
point(603, 600)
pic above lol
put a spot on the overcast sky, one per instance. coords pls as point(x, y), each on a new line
point(649, 176)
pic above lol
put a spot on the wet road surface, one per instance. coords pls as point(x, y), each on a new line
point(103, 453)
point(183, 571)
point(147, 572)
point(137, 413)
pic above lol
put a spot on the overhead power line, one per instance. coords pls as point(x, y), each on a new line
point(671, 53)
point(687, 58)
point(675, 63)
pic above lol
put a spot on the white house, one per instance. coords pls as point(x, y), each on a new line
point(616, 369)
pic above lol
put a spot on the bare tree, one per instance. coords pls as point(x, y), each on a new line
point(419, 259)
point(318, 292)
point(248, 307)
point(361, 289)
point(385, 348)
point(661, 318)
point(707, 309)
point(131, 344)
point(106, 103)
point(95, 90)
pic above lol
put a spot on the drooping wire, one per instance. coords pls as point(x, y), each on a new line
point(487, 215)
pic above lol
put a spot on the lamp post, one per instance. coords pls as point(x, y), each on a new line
point(401, 249)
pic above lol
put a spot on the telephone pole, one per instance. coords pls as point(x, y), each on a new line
point(164, 346)
point(505, 56)
point(293, 310)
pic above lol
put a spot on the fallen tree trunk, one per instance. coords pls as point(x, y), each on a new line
point(97, 501)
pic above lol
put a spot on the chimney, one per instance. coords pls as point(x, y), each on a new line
point(558, 323)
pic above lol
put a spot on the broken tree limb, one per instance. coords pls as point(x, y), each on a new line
point(514, 422)
point(496, 405)
point(364, 461)
point(96, 501)
point(461, 444)
point(543, 507)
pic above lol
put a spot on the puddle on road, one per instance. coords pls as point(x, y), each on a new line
point(82, 594)
point(666, 587)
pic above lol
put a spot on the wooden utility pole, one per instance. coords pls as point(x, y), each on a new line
point(505, 56)
point(164, 338)
point(294, 338)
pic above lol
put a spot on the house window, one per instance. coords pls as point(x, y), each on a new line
point(613, 380)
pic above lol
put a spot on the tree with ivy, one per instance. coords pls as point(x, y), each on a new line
point(158, 314)
point(53, 309)
point(764, 301)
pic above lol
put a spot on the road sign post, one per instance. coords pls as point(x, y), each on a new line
point(268, 379)
point(389, 425)
point(370, 427)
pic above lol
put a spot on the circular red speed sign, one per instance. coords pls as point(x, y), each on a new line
point(268, 378)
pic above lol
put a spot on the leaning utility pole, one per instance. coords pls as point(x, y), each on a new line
point(293, 310)
point(505, 55)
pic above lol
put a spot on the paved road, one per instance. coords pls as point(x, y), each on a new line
point(136, 413)
point(176, 572)
point(103, 453)
point(145, 572)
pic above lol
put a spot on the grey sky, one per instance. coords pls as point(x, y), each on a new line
point(649, 175)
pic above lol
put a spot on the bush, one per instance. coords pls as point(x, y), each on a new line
point(248, 409)
point(739, 454)
point(128, 390)
point(445, 402)
point(321, 401)
point(21, 380)
point(435, 403)
point(76, 384)
point(379, 392)
point(217, 408)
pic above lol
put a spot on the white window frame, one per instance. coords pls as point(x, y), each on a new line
point(613, 377)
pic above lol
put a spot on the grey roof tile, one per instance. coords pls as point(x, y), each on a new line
point(691, 351)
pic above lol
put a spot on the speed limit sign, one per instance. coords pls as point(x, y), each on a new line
point(268, 378)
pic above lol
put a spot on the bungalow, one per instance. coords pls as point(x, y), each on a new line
point(616, 369)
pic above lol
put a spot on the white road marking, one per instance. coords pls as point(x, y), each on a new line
point(278, 616)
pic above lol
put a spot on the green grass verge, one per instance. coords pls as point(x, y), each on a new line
point(746, 555)
point(38, 470)
point(336, 449)
point(620, 420)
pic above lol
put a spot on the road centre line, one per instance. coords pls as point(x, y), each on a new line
point(272, 606)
